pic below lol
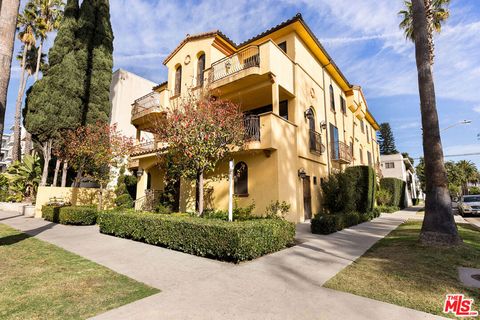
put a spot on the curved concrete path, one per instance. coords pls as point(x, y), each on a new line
point(283, 285)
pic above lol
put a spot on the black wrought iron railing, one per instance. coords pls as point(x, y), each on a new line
point(316, 145)
point(251, 125)
point(244, 59)
point(341, 152)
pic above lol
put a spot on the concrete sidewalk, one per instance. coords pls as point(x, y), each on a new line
point(283, 285)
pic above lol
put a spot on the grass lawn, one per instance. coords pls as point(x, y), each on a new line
point(41, 281)
point(399, 270)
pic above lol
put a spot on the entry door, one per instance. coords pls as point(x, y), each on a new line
point(307, 198)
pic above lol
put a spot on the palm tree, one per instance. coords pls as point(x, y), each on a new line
point(26, 26)
point(8, 24)
point(49, 16)
point(438, 226)
point(437, 13)
point(469, 172)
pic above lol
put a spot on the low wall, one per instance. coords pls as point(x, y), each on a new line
point(13, 207)
point(74, 196)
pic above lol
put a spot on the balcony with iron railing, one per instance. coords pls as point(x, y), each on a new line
point(253, 64)
point(341, 152)
point(145, 107)
point(315, 142)
point(242, 60)
point(146, 147)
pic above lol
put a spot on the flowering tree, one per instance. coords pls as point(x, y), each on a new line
point(199, 130)
point(94, 150)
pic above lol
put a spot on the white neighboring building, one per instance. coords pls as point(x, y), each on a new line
point(395, 166)
point(7, 148)
point(125, 88)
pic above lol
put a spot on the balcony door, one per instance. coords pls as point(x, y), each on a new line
point(307, 198)
point(334, 142)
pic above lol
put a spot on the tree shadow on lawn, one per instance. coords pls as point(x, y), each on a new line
point(16, 238)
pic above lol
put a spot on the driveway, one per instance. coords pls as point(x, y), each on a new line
point(283, 285)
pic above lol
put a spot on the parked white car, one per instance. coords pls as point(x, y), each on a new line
point(469, 205)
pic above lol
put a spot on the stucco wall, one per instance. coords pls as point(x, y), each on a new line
point(74, 196)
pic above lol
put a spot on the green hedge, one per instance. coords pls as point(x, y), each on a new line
point(81, 215)
point(230, 241)
point(396, 187)
point(330, 223)
point(365, 187)
point(388, 209)
point(352, 190)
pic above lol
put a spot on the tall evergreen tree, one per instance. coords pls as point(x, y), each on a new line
point(95, 55)
point(58, 95)
point(386, 140)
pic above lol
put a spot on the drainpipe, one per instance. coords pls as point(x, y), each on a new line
point(326, 119)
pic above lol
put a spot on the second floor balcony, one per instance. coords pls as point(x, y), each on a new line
point(341, 152)
point(147, 110)
point(147, 147)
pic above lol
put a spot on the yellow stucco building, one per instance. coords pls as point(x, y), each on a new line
point(303, 118)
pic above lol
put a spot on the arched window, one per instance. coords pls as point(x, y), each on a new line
point(311, 126)
point(178, 80)
point(240, 180)
point(332, 98)
point(200, 70)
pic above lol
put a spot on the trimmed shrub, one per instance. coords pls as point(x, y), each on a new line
point(230, 241)
point(383, 197)
point(81, 215)
point(364, 183)
point(51, 213)
point(124, 201)
point(415, 201)
point(163, 209)
point(396, 187)
point(339, 193)
point(330, 223)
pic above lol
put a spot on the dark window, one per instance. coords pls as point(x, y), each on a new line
point(368, 136)
point(362, 126)
point(315, 180)
point(283, 46)
point(149, 181)
point(284, 109)
point(240, 180)
point(178, 81)
point(200, 70)
point(390, 165)
point(343, 104)
point(369, 157)
point(332, 98)
point(311, 125)
point(334, 142)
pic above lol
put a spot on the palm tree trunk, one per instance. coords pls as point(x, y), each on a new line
point(8, 23)
point(438, 225)
point(16, 152)
point(39, 59)
point(47, 154)
point(64, 174)
point(28, 142)
point(55, 175)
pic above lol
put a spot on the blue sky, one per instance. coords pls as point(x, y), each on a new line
point(362, 37)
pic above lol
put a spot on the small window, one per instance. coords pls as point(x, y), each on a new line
point(361, 155)
point(178, 80)
point(200, 70)
point(362, 126)
point(284, 109)
point(369, 158)
point(315, 180)
point(334, 141)
point(283, 46)
point(368, 137)
point(332, 98)
point(240, 180)
point(343, 104)
point(390, 165)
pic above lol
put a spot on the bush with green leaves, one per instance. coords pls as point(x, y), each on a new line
point(72, 215)
point(339, 193)
point(277, 209)
point(124, 201)
point(384, 197)
point(330, 223)
point(396, 187)
point(364, 183)
point(474, 190)
point(230, 241)
point(161, 208)
point(23, 179)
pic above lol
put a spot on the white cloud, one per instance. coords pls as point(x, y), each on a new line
point(476, 109)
